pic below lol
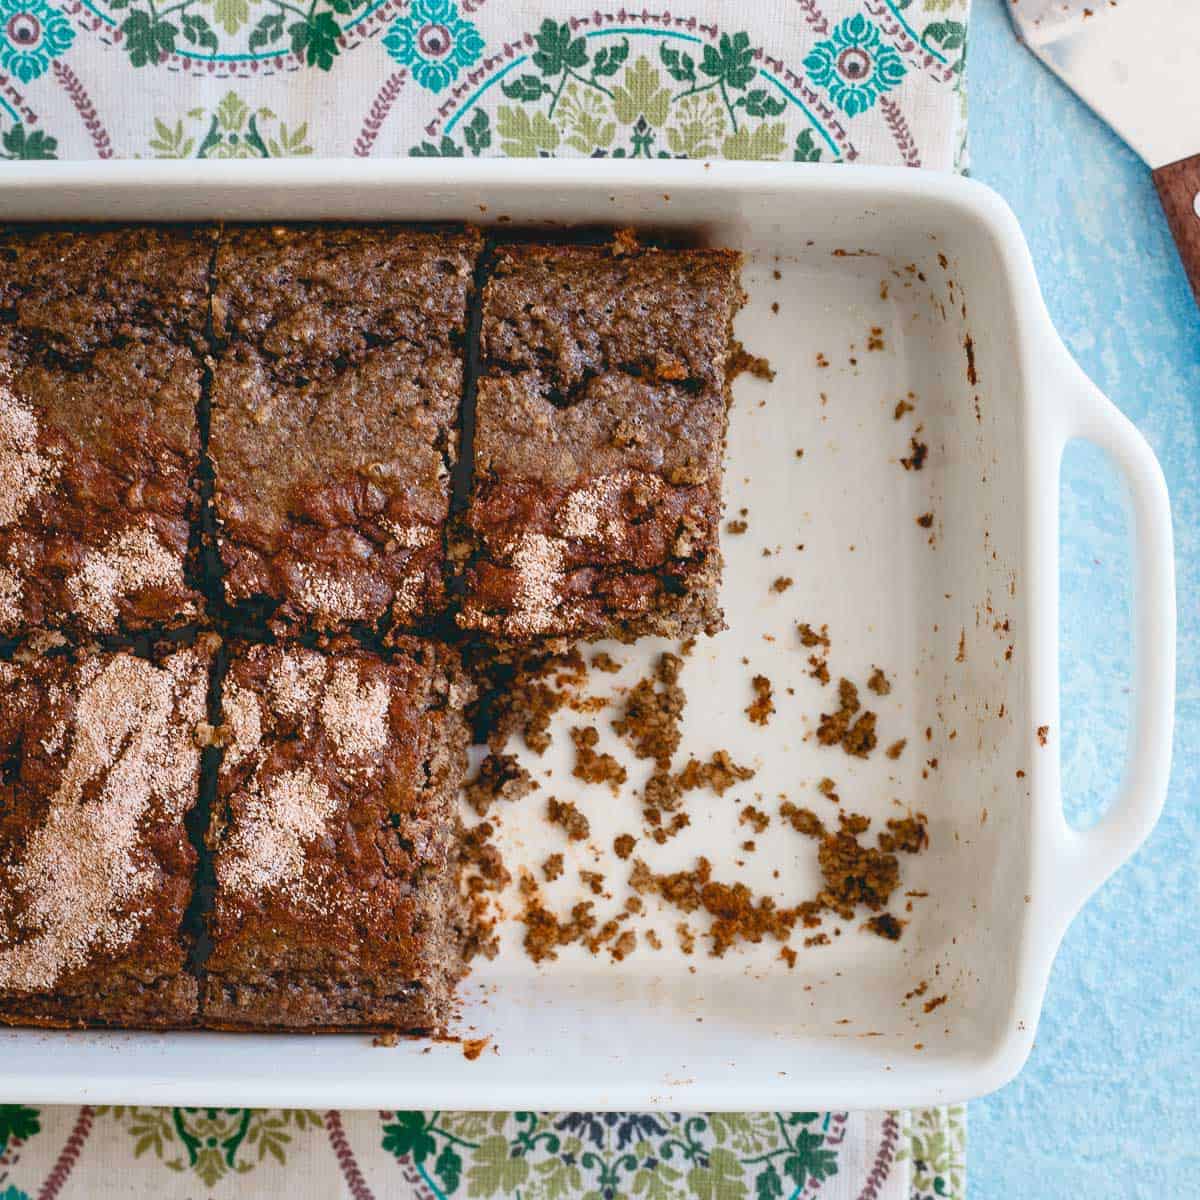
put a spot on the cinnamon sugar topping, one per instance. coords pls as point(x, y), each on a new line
point(356, 717)
point(330, 596)
point(11, 586)
point(133, 560)
point(266, 846)
point(538, 561)
point(25, 470)
point(295, 680)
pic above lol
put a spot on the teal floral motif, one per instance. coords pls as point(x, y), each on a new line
point(434, 42)
point(31, 34)
point(854, 65)
point(13, 1193)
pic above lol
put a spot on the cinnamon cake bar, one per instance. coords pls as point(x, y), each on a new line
point(100, 768)
point(335, 406)
point(100, 367)
point(599, 432)
point(334, 840)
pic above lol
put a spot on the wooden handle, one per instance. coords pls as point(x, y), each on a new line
point(1178, 186)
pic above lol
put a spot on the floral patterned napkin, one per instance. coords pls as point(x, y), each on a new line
point(788, 80)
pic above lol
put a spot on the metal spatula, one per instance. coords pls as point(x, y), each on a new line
point(1137, 63)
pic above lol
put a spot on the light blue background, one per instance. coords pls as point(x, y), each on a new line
point(1108, 1104)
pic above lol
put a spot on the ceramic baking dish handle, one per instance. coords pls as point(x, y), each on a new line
point(1090, 856)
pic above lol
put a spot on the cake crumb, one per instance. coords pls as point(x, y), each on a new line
point(738, 525)
point(624, 946)
point(719, 774)
point(902, 407)
point(1043, 733)
point(916, 460)
point(828, 789)
point(544, 932)
point(925, 520)
point(652, 939)
point(603, 661)
point(563, 813)
point(896, 748)
point(524, 696)
point(856, 736)
point(623, 845)
point(781, 584)
point(594, 766)
point(472, 1048)
point(908, 834)
point(594, 880)
point(879, 683)
point(741, 361)
point(650, 722)
point(754, 817)
point(482, 873)
point(809, 637)
point(552, 868)
point(886, 926)
point(500, 777)
point(802, 820)
point(936, 1002)
point(760, 709)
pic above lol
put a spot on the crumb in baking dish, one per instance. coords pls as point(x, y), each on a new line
point(762, 706)
point(742, 362)
point(567, 816)
point(916, 460)
point(592, 765)
point(500, 778)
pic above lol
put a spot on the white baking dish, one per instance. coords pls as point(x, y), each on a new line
point(1004, 873)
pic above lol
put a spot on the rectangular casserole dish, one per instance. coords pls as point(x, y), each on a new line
point(933, 273)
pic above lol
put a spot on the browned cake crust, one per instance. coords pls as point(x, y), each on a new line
point(100, 770)
point(335, 403)
point(600, 426)
point(334, 836)
point(100, 376)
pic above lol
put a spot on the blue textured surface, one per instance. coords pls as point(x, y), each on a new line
point(1108, 1104)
